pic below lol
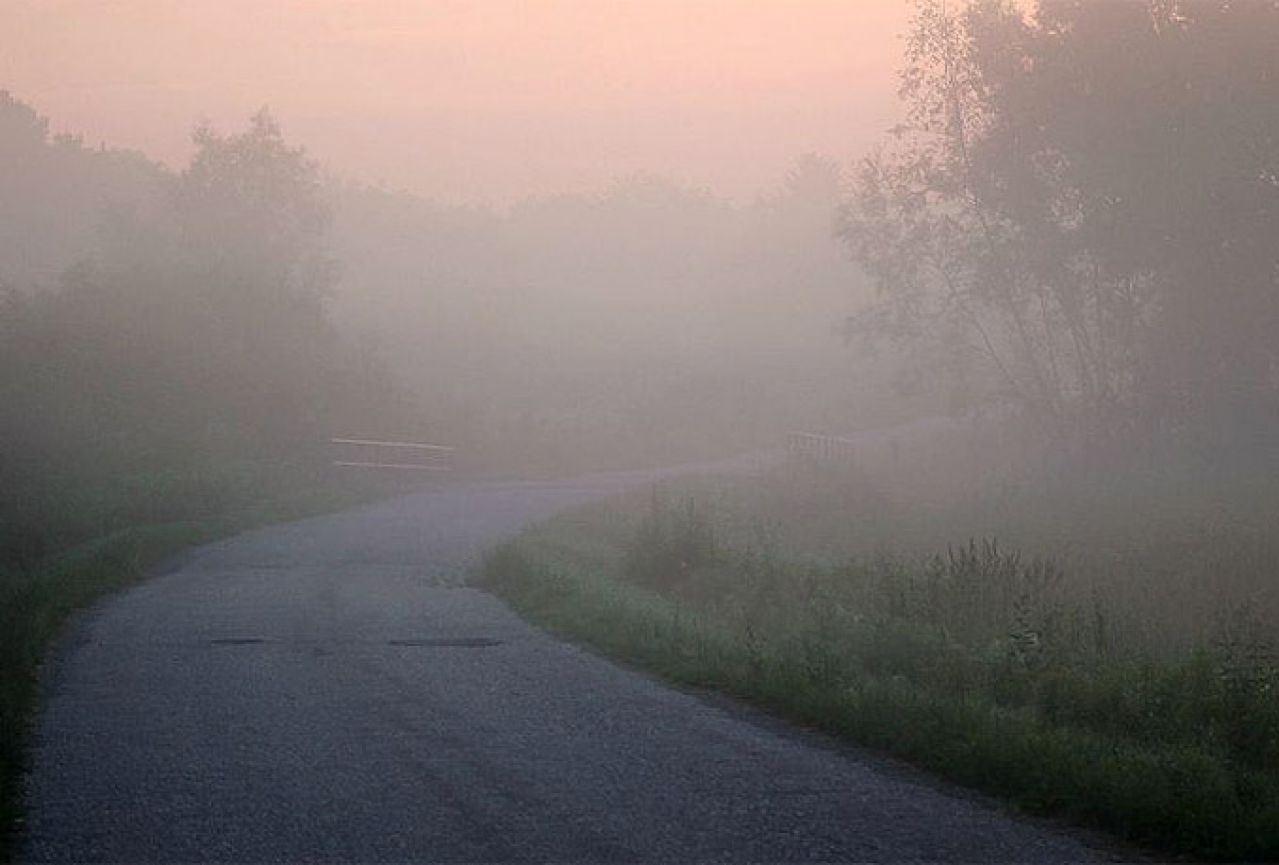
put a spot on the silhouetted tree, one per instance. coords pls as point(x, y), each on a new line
point(252, 208)
point(189, 338)
point(1078, 205)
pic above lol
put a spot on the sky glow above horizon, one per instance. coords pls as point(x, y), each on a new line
point(475, 101)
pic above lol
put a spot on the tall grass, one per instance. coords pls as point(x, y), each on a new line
point(988, 666)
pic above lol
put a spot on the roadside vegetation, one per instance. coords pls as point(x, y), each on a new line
point(1121, 686)
point(177, 384)
point(1058, 282)
point(38, 599)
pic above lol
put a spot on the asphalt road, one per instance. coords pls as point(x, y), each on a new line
point(328, 691)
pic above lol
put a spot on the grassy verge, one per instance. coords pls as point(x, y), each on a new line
point(37, 601)
point(967, 664)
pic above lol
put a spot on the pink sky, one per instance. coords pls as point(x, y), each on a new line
point(468, 100)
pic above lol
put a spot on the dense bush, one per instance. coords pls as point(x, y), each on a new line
point(670, 543)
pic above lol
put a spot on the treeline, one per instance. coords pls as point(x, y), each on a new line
point(646, 322)
point(185, 352)
point(1078, 214)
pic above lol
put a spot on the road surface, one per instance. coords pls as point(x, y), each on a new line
point(329, 691)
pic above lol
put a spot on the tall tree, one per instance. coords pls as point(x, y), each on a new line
point(1078, 204)
point(252, 208)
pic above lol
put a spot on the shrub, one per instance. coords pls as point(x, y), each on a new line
point(670, 543)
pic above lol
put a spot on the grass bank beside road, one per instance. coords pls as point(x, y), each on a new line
point(37, 599)
point(978, 664)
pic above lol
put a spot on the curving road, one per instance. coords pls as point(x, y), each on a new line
point(328, 691)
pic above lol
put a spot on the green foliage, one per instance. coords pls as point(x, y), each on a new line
point(670, 543)
point(976, 663)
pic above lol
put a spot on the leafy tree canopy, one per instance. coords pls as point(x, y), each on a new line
point(1079, 210)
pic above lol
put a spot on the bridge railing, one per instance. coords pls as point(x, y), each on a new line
point(815, 447)
point(392, 455)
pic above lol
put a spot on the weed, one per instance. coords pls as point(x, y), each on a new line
point(670, 543)
point(978, 663)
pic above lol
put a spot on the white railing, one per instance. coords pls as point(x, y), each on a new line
point(815, 447)
point(402, 456)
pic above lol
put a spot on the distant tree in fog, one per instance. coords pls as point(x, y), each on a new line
point(813, 177)
point(22, 130)
point(55, 193)
point(193, 328)
point(253, 207)
point(162, 326)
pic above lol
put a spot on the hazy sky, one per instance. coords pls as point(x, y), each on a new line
point(466, 100)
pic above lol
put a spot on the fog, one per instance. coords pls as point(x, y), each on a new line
point(604, 230)
point(985, 294)
point(610, 235)
point(647, 321)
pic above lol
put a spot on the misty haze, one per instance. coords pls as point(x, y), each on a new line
point(665, 431)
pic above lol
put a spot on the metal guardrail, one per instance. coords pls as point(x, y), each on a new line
point(816, 447)
point(401, 456)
